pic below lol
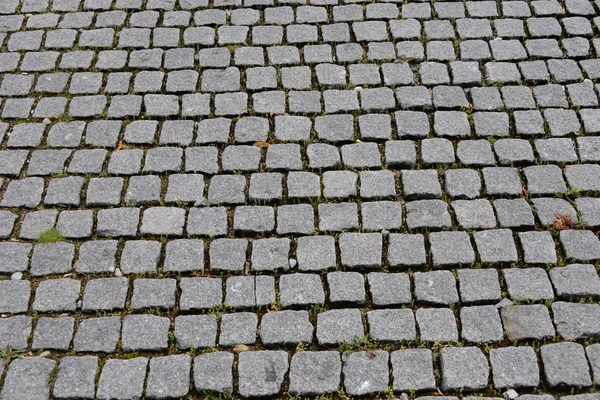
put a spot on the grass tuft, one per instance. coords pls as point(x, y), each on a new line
point(50, 236)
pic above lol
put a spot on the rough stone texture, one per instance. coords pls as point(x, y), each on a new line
point(313, 373)
point(184, 176)
point(527, 322)
point(514, 367)
point(413, 369)
point(464, 367)
point(365, 373)
point(565, 364)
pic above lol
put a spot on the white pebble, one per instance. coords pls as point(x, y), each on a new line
point(16, 276)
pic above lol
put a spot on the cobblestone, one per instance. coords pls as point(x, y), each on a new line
point(244, 181)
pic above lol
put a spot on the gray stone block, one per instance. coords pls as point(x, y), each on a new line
point(514, 367)
point(313, 373)
point(145, 332)
point(361, 250)
point(481, 324)
point(53, 333)
point(437, 325)
point(100, 334)
point(435, 287)
point(238, 328)
point(339, 326)
point(527, 322)
point(366, 372)
point(214, 372)
point(346, 287)
point(389, 288)
point(195, 331)
point(281, 327)
point(575, 280)
point(406, 250)
point(464, 368)
point(105, 294)
point(57, 295)
point(413, 369)
point(479, 285)
point(76, 377)
point(169, 376)
point(122, 378)
point(576, 321)
point(389, 325)
point(261, 373)
point(528, 284)
point(27, 378)
point(565, 364)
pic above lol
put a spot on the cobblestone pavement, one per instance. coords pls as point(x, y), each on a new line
point(291, 198)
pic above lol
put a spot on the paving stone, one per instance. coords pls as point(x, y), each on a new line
point(315, 253)
point(575, 280)
point(413, 369)
point(427, 214)
point(406, 250)
point(390, 325)
point(338, 217)
point(360, 250)
point(122, 378)
point(565, 364)
point(241, 292)
point(158, 293)
point(15, 297)
point(464, 367)
point(479, 285)
point(256, 369)
point(528, 284)
point(346, 287)
point(436, 287)
point(580, 245)
point(514, 367)
point(523, 322)
point(57, 295)
point(473, 214)
point(238, 328)
point(145, 332)
point(228, 254)
point(195, 331)
point(592, 355)
point(576, 321)
point(357, 381)
point(100, 334)
point(496, 246)
point(15, 332)
point(53, 333)
point(214, 372)
point(76, 377)
point(462, 183)
point(27, 378)
point(254, 219)
point(287, 326)
point(451, 248)
point(389, 288)
point(481, 324)
point(339, 326)
point(163, 221)
point(23, 193)
point(313, 373)
point(184, 255)
point(168, 376)
point(436, 325)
